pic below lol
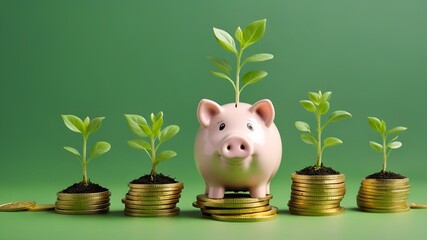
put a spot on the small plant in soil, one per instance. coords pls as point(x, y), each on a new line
point(85, 127)
point(388, 143)
point(319, 105)
point(246, 37)
point(156, 136)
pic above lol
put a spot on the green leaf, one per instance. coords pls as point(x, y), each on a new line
point(165, 155)
point(397, 130)
point(139, 144)
point(74, 123)
point(239, 36)
point(308, 105)
point(168, 133)
point(314, 97)
point(86, 122)
point(253, 77)
point(253, 32)
point(383, 128)
point(331, 141)
point(221, 75)
point(261, 57)
point(158, 123)
point(338, 116)
point(73, 151)
point(302, 126)
point(100, 148)
point(308, 138)
point(222, 64)
point(376, 146)
point(225, 40)
point(324, 107)
point(134, 122)
point(374, 123)
point(94, 125)
point(395, 145)
point(326, 96)
point(146, 129)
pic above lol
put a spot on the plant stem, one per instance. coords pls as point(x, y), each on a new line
point(153, 159)
point(319, 141)
point(384, 153)
point(238, 67)
point(84, 163)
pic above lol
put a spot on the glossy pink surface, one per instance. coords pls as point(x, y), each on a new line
point(237, 148)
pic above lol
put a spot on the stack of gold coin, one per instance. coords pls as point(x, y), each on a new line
point(236, 208)
point(383, 195)
point(152, 200)
point(317, 195)
point(83, 203)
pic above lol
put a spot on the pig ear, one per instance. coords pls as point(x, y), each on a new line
point(265, 109)
point(206, 110)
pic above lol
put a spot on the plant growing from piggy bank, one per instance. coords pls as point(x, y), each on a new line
point(238, 146)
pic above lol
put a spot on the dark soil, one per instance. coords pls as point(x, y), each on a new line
point(320, 171)
point(156, 179)
point(385, 175)
point(81, 188)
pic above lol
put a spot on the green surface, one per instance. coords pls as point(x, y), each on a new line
point(106, 58)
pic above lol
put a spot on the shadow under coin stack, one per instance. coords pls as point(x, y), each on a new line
point(152, 200)
point(383, 195)
point(317, 195)
point(236, 208)
point(83, 203)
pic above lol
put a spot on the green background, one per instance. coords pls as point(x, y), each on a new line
point(107, 58)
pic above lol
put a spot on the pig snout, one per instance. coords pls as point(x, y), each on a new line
point(235, 147)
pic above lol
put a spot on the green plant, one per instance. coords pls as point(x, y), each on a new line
point(319, 105)
point(386, 146)
point(85, 128)
point(246, 37)
point(139, 126)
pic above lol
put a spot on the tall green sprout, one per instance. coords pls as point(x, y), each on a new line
point(246, 37)
point(319, 105)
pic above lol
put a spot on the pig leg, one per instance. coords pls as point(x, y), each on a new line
point(216, 192)
point(206, 188)
point(267, 188)
point(259, 190)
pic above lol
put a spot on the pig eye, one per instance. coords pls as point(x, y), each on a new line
point(250, 127)
point(222, 126)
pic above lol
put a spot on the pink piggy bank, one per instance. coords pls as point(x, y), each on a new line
point(237, 148)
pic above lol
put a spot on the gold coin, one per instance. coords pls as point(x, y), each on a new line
point(381, 206)
point(152, 211)
point(418, 205)
point(235, 205)
point(318, 186)
point(318, 182)
point(318, 177)
point(132, 214)
point(233, 198)
point(176, 186)
point(314, 202)
point(152, 198)
point(82, 212)
point(319, 194)
point(384, 191)
point(234, 211)
point(384, 183)
point(80, 202)
point(379, 187)
point(318, 190)
point(153, 194)
point(157, 202)
point(382, 197)
point(326, 212)
point(82, 207)
point(83, 195)
point(42, 207)
point(312, 206)
point(154, 190)
point(16, 206)
point(148, 207)
point(197, 205)
point(316, 198)
point(375, 210)
point(250, 217)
